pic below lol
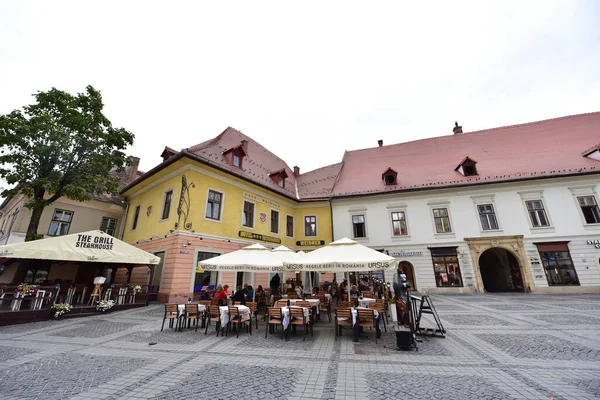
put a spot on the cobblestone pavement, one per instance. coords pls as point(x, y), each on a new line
point(513, 346)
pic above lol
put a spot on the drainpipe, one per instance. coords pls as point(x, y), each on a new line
point(124, 220)
point(331, 216)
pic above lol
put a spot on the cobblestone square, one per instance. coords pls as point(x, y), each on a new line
point(498, 346)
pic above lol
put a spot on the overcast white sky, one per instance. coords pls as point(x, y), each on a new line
point(307, 80)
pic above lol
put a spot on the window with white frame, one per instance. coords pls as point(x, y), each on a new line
point(399, 227)
point(289, 226)
point(213, 205)
point(274, 221)
point(61, 222)
point(136, 217)
point(441, 218)
point(108, 225)
point(359, 228)
point(248, 215)
point(310, 225)
point(487, 216)
point(537, 213)
point(589, 208)
point(236, 160)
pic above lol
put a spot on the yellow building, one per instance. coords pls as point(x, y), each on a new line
point(220, 196)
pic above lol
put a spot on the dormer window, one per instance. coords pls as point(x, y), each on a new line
point(279, 177)
point(593, 153)
point(467, 167)
point(389, 177)
point(235, 155)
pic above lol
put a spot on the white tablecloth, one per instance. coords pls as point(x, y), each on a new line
point(181, 309)
point(286, 315)
point(355, 314)
point(224, 311)
point(364, 302)
point(313, 302)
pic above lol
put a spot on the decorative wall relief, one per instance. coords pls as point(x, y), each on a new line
point(183, 208)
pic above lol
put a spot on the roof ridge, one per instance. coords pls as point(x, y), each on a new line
point(480, 131)
point(320, 168)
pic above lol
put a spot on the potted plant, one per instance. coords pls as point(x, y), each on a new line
point(105, 305)
point(61, 308)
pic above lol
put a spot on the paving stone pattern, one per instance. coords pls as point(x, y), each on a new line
point(243, 383)
point(95, 329)
point(411, 386)
point(498, 346)
point(542, 347)
point(63, 375)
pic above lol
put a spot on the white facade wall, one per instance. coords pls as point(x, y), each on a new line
point(562, 209)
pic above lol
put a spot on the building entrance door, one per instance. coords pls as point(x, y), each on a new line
point(500, 271)
point(409, 271)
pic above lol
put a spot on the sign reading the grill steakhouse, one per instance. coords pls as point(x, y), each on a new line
point(94, 242)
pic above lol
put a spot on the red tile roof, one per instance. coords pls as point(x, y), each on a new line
point(532, 150)
point(257, 166)
point(318, 183)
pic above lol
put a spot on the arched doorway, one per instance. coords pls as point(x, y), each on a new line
point(500, 271)
point(409, 271)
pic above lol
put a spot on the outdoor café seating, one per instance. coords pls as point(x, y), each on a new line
point(171, 314)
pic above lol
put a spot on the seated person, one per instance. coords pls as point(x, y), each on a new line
point(354, 291)
point(205, 295)
point(249, 292)
point(239, 296)
point(220, 293)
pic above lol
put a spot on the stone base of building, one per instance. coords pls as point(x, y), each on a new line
point(567, 290)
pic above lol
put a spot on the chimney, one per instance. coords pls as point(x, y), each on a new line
point(133, 168)
point(296, 171)
point(245, 146)
point(380, 142)
point(457, 129)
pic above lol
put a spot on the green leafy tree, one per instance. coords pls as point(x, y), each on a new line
point(62, 145)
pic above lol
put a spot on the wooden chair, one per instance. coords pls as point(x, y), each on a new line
point(345, 304)
point(191, 313)
point(274, 318)
point(324, 306)
point(253, 306)
point(171, 314)
point(384, 306)
point(381, 310)
point(235, 317)
point(367, 294)
point(297, 317)
point(343, 317)
point(282, 303)
point(215, 302)
point(292, 295)
point(206, 303)
point(214, 315)
point(306, 304)
point(366, 318)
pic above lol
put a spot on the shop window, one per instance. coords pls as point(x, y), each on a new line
point(248, 215)
point(537, 214)
point(109, 226)
point(289, 226)
point(399, 223)
point(558, 264)
point(213, 205)
point(446, 267)
point(487, 216)
point(136, 216)
point(442, 220)
point(274, 221)
point(61, 222)
point(358, 226)
point(205, 278)
point(167, 204)
point(36, 275)
point(589, 208)
point(310, 225)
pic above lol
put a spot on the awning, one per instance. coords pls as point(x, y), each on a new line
point(93, 246)
point(254, 258)
point(343, 255)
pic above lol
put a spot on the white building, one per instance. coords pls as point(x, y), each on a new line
point(506, 209)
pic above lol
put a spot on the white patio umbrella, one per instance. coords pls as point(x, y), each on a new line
point(342, 255)
point(254, 258)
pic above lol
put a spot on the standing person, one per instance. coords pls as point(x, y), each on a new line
point(274, 284)
point(239, 296)
point(249, 292)
point(400, 284)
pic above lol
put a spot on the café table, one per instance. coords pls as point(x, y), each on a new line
point(355, 326)
point(364, 302)
point(224, 313)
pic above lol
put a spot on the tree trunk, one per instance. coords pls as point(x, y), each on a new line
point(32, 229)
